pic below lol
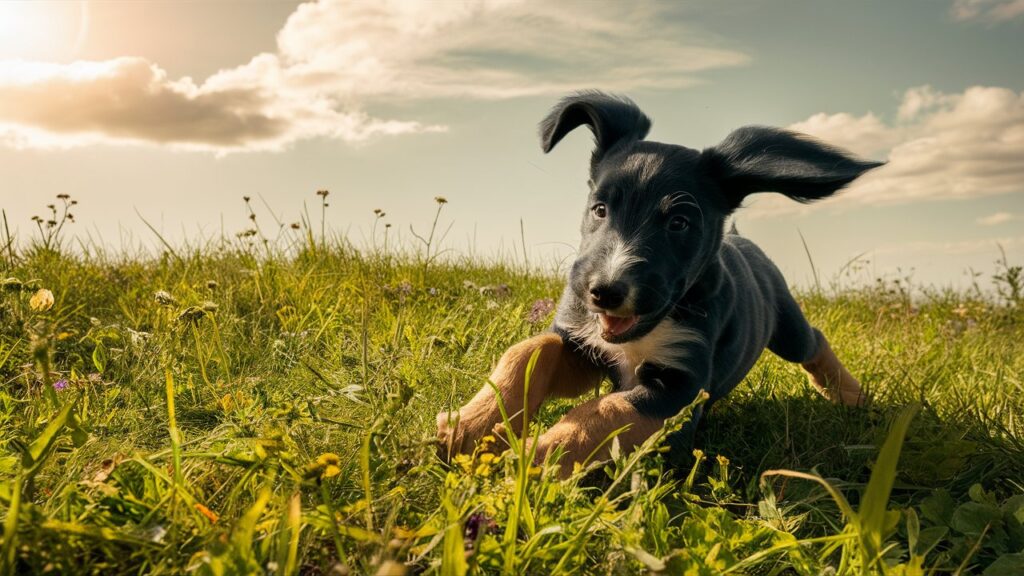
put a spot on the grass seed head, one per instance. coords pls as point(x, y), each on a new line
point(42, 300)
point(164, 298)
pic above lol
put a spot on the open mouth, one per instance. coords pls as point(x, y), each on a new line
point(614, 326)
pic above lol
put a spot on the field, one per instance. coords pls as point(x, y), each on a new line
point(267, 406)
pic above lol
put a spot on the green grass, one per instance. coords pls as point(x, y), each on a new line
point(248, 408)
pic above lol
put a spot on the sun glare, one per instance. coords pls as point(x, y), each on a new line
point(40, 30)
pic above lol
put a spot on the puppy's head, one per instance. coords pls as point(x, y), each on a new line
point(655, 214)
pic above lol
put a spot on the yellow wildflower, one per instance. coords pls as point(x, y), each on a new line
point(486, 442)
point(330, 464)
point(464, 462)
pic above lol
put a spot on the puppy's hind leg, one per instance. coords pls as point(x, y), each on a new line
point(560, 371)
point(796, 340)
point(828, 374)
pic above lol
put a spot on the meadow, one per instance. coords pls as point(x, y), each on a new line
point(264, 403)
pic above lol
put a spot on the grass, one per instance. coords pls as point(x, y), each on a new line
point(266, 405)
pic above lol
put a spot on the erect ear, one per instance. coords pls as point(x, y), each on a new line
point(758, 159)
point(612, 119)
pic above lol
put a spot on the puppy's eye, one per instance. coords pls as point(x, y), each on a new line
point(599, 210)
point(678, 224)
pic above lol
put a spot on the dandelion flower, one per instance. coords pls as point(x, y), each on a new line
point(42, 300)
point(440, 199)
point(464, 462)
point(330, 464)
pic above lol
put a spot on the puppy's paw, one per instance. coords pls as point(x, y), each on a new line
point(447, 435)
point(567, 437)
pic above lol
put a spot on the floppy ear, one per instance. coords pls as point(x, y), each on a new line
point(612, 119)
point(758, 159)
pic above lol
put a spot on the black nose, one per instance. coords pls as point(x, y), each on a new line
point(608, 296)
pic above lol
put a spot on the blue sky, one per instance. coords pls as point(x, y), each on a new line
point(177, 110)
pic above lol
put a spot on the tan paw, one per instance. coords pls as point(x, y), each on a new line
point(447, 435)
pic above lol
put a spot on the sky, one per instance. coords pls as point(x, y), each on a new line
point(170, 112)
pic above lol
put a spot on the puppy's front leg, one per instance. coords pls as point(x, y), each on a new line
point(560, 371)
point(583, 432)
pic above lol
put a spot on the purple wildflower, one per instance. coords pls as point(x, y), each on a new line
point(60, 384)
point(540, 310)
point(477, 525)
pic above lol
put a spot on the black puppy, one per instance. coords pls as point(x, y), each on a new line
point(659, 299)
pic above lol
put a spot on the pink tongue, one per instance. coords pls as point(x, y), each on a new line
point(613, 326)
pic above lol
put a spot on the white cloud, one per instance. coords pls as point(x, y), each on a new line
point(335, 58)
point(940, 147)
point(492, 48)
point(996, 219)
point(131, 100)
point(866, 135)
point(987, 10)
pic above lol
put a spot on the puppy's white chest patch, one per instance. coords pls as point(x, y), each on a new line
point(662, 346)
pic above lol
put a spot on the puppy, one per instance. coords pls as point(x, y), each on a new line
point(660, 299)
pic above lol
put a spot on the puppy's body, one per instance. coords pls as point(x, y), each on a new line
point(659, 298)
point(736, 309)
point(708, 341)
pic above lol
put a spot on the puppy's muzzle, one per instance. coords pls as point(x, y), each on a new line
point(608, 296)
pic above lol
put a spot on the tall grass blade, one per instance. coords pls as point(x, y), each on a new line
point(32, 460)
point(520, 504)
point(288, 537)
point(453, 554)
point(873, 506)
